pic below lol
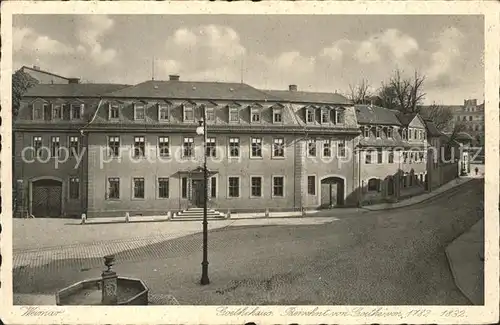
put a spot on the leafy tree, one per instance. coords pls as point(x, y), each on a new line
point(21, 82)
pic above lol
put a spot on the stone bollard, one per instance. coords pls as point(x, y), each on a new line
point(228, 215)
point(109, 287)
point(84, 219)
point(169, 215)
point(303, 212)
point(267, 213)
point(127, 217)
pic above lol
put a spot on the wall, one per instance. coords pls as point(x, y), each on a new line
point(45, 78)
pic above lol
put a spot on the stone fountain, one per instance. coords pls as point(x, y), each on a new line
point(110, 289)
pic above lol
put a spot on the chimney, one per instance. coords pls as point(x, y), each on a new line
point(174, 77)
point(292, 88)
point(35, 67)
point(73, 80)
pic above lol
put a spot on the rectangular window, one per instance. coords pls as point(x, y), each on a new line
point(213, 186)
point(74, 146)
point(210, 114)
point(164, 146)
point(324, 116)
point(391, 157)
point(76, 111)
point(184, 187)
point(341, 149)
point(187, 147)
point(234, 115)
point(139, 112)
point(404, 134)
point(234, 187)
point(54, 146)
point(368, 157)
point(139, 146)
point(114, 112)
point(56, 112)
point(163, 188)
point(114, 146)
point(138, 188)
point(277, 115)
point(163, 112)
point(234, 147)
point(380, 156)
point(311, 148)
point(255, 115)
point(327, 148)
point(256, 147)
point(278, 186)
point(311, 185)
point(188, 114)
point(38, 111)
point(278, 147)
point(390, 132)
point(377, 132)
point(211, 147)
point(74, 188)
point(37, 146)
point(366, 132)
point(310, 116)
point(256, 186)
point(114, 188)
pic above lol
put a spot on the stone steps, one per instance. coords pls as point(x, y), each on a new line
point(197, 214)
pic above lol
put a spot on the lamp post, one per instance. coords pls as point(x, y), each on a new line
point(202, 130)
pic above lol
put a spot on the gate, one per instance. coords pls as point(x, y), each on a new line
point(46, 198)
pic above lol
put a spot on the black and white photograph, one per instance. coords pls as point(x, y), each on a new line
point(264, 166)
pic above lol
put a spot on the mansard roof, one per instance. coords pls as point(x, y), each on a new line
point(71, 90)
point(176, 89)
point(309, 97)
point(371, 114)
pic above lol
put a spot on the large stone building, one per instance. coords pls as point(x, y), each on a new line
point(45, 77)
point(471, 115)
point(109, 149)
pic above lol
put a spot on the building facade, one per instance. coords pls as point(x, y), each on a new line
point(471, 115)
point(109, 149)
point(45, 77)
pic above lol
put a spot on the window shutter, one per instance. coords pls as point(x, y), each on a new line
point(158, 111)
point(48, 112)
point(109, 111)
point(82, 109)
point(66, 111)
point(32, 108)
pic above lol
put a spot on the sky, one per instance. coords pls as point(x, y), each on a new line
point(316, 52)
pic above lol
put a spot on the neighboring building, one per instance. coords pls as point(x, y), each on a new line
point(109, 149)
point(45, 77)
point(391, 154)
point(472, 116)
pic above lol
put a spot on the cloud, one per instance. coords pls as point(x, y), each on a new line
point(91, 28)
point(27, 40)
point(447, 45)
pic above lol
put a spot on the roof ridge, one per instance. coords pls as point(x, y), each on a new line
point(46, 72)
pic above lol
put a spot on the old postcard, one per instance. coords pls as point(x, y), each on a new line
point(273, 162)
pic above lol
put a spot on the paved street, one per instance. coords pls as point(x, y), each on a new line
point(379, 257)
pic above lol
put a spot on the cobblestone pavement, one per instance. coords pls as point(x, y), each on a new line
point(385, 257)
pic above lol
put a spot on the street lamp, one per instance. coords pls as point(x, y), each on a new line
point(202, 130)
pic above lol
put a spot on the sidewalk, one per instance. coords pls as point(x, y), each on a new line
point(465, 256)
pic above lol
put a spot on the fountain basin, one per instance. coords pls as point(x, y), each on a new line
point(89, 292)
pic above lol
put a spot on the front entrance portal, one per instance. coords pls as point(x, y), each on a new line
point(197, 196)
point(332, 192)
point(47, 198)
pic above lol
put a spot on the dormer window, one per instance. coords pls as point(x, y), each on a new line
point(324, 116)
point(234, 114)
point(163, 112)
point(337, 115)
point(210, 113)
point(38, 109)
point(404, 134)
point(255, 115)
point(277, 115)
point(377, 132)
point(188, 113)
point(114, 111)
point(390, 132)
point(56, 112)
point(366, 131)
point(310, 115)
point(139, 112)
point(76, 111)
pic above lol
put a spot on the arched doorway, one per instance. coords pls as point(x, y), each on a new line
point(46, 198)
point(390, 186)
point(332, 192)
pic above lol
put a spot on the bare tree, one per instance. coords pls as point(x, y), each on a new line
point(441, 116)
point(359, 94)
point(404, 94)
